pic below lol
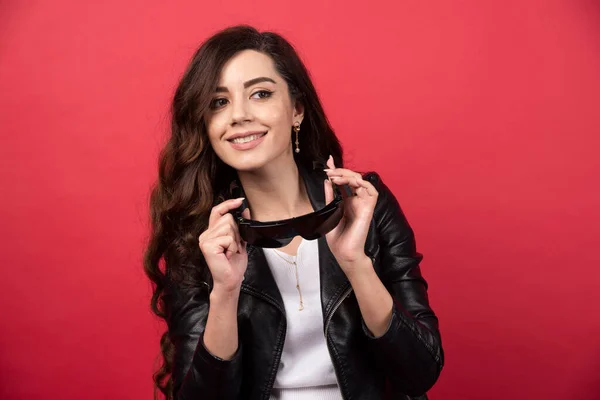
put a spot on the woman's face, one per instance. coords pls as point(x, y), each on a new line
point(251, 116)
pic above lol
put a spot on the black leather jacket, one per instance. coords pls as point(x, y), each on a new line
point(404, 363)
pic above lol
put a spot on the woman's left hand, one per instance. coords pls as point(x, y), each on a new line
point(347, 240)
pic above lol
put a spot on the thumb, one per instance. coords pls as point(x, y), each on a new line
point(328, 191)
point(246, 213)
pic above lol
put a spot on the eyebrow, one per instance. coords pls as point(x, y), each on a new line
point(249, 83)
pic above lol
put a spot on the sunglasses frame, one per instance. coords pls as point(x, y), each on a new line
point(245, 224)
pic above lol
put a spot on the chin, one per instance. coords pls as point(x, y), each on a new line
point(247, 162)
point(252, 160)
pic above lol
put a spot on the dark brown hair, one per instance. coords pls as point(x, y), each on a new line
point(191, 176)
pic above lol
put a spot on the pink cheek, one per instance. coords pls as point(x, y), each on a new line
point(216, 130)
point(274, 115)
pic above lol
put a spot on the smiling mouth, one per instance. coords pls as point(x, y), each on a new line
point(247, 139)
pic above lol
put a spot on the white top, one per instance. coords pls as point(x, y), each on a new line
point(305, 371)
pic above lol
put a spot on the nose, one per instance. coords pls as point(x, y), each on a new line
point(240, 112)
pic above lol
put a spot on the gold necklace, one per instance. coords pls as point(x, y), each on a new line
point(297, 280)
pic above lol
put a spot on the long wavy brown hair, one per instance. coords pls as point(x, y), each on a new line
point(191, 177)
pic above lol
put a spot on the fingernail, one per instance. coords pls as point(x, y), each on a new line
point(240, 198)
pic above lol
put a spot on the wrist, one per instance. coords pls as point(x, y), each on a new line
point(224, 294)
point(358, 269)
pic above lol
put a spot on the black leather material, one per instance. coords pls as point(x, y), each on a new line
point(404, 363)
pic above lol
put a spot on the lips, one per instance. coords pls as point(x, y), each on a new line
point(247, 137)
point(247, 140)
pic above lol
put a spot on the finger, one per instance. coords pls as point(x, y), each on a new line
point(370, 189)
point(224, 226)
point(356, 180)
point(330, 162)
point(226, 219)
point(346, 189)
point(368, 186)
point(228, 244)
point(224, 232)
point(346, 180)
point(246, 213)
point(328, 191)
point(233, 228)
point(343, 172)
point(238, 237)
point(222, 209)
point(219, 245)
point(361, 192)
point(228, 228)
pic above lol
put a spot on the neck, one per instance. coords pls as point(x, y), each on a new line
point(276, 191)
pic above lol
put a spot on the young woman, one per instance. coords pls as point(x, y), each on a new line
point(338, 312)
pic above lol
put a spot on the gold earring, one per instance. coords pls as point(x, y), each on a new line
point(297, 129)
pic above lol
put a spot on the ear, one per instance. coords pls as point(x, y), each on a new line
point(298, 111)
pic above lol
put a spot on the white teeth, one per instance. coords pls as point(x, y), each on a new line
point(246, 139)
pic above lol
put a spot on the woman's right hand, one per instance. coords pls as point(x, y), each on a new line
point(223, 248)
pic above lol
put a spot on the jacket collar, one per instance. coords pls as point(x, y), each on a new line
point(258, 278)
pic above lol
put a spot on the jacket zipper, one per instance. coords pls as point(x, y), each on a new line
point(279, 340)
point(335, 307)
point(341, 299)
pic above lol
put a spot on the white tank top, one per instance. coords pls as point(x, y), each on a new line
point(305, 371)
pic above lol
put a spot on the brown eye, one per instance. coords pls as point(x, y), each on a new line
point(218, 103)
point(262, 94)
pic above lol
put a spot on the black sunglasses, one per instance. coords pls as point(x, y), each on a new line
point(274, 234)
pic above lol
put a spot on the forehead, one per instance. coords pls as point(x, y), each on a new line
point(246, 65)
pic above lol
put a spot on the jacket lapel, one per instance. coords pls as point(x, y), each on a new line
point(258, 277)
point(333, 279)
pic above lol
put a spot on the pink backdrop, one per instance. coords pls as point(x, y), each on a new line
point(483, 117)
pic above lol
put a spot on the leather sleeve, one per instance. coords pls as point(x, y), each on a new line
point(197, 374)
point(410, 351)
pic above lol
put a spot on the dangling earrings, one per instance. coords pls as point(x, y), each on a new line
point(297, 129)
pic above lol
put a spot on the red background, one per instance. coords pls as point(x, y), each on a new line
point(483, 117)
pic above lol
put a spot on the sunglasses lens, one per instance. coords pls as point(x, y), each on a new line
point(268, 237)
point(330, 221)
point(321, 222)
